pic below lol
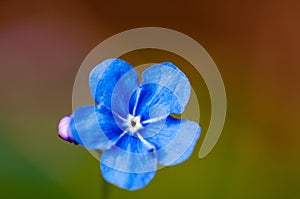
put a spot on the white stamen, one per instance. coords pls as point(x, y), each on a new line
point(138, 92)
point(154, 119)
point(148, 144)
point(116, 114)
point(122, 134)
point(119, 116)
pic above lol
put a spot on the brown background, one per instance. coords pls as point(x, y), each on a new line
point(255, 44)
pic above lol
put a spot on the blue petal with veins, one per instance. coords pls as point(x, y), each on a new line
point(131, 121)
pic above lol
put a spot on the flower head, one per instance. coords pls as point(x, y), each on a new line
point(131, 121)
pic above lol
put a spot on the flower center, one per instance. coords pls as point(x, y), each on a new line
point(133, 124)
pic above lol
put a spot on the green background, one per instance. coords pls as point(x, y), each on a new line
point(255, 45)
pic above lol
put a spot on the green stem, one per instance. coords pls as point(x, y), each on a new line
point(104, 190)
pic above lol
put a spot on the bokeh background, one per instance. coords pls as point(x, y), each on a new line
point(255, 44)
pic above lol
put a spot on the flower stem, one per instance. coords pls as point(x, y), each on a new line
point(104, 190)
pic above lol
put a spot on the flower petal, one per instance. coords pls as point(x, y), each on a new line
point(94, 129)
point(122, 93)
point(169, 76)
point(126, 180)
point(132, 168)
point(105, 76)
point(174, 140)
point(133, 156)
point(154, 101)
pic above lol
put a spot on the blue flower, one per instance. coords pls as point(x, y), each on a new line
point(131, 121)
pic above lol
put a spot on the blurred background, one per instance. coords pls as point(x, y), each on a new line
point(255, 45)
